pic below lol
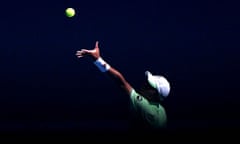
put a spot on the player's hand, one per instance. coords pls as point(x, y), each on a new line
point(94, 53)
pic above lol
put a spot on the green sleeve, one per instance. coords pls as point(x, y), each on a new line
point(138, 101)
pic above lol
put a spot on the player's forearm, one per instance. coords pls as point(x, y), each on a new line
point(120, 80)
point(116, 76)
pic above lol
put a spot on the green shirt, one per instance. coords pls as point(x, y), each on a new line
point(151, 113)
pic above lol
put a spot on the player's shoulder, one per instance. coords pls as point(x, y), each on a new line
point(136, 96)
point(134, 93)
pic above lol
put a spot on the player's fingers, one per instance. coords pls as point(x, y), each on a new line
point(79, 56)
point(78, 53)
point(83, 51)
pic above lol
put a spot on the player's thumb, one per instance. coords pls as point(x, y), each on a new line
point(96, 44)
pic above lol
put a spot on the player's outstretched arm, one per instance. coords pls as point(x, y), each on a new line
point(105, 67)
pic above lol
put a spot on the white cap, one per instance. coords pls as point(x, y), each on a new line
point(160, 83)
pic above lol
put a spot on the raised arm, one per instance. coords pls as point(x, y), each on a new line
point(105, 67)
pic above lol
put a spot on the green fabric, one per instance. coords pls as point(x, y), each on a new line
point(152, 113)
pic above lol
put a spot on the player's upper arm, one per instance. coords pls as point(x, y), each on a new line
point(120, 80)
point(127, 87)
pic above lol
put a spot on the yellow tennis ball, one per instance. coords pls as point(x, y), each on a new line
point(70, 12)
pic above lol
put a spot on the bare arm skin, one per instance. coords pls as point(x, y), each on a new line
point(112, 72)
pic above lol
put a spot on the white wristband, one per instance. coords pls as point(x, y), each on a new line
point(102, 65)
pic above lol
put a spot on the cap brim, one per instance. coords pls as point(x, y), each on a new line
point(150, 79)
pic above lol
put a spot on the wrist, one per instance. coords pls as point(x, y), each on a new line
point(101, 64)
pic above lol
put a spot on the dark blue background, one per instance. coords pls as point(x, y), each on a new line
point(44, 86)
